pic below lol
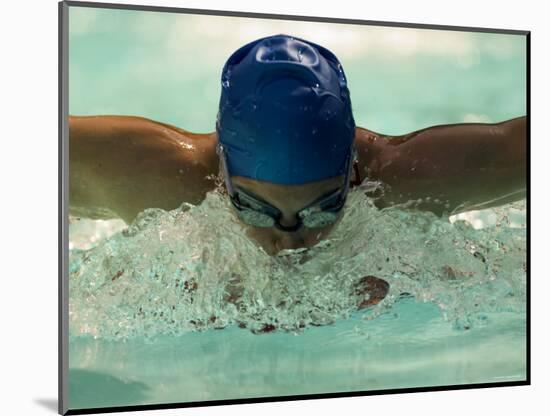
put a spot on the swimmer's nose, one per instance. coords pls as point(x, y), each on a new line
point(288, 221)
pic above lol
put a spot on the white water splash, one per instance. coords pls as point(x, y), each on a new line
point(194, 268)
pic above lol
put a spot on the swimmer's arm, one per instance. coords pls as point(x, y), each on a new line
point(451, 168)
point(121, 165)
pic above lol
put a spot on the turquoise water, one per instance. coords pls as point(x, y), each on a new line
point(140, 330)
point(168, 67)
point(411, 346)
point(140, 335)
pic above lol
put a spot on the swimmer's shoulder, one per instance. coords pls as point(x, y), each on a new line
point(195, 147)
point(202, 144)
point(125, 164)
point(372, 149)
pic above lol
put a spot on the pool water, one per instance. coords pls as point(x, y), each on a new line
point(142, 304)
point(174, 307)
point(410, 347)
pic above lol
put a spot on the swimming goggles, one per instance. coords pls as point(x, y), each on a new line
point(254, 211)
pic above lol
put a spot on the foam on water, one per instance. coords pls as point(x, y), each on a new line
point(194, 268)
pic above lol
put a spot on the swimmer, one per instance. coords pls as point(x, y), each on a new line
point(289, 151)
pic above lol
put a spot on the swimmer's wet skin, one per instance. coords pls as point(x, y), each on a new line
point(285, 140)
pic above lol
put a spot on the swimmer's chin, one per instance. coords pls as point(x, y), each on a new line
point(274, 249)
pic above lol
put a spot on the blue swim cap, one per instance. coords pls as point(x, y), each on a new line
point(285, 112)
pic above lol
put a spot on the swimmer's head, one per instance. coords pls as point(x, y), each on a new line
point(286, 130)
point(285, 112)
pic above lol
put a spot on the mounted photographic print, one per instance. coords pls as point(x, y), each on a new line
point(266, 207)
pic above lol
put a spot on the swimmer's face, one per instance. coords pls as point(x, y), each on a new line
point(289, 199)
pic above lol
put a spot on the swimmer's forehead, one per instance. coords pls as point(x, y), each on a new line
point(289, 196)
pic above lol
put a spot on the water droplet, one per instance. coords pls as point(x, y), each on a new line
point(225, 78)
point(258, 167)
